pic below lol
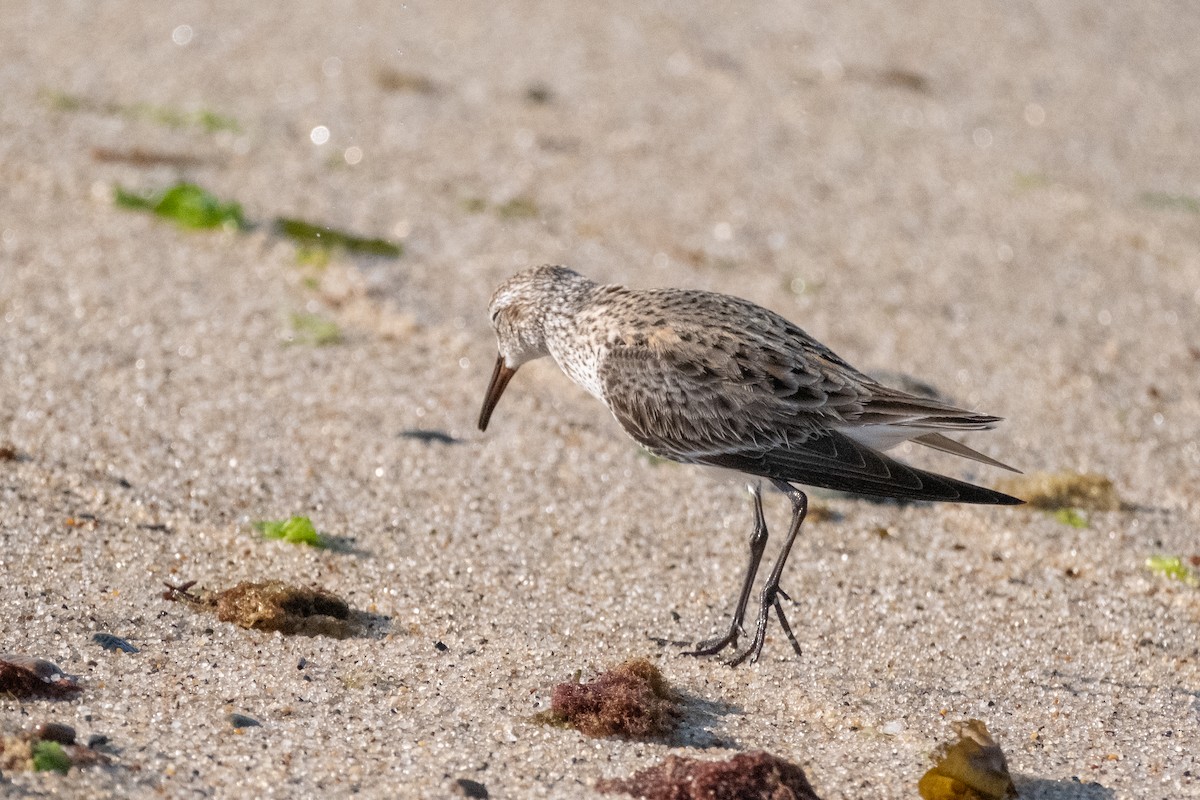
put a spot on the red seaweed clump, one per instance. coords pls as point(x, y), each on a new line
point(632, 700)
point(746, 776)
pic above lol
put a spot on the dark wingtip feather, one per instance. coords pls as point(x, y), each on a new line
point(834, 461)
point(987, 496)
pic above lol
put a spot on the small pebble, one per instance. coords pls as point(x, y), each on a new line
point(441, 646)
point(470, 788)
point(97, 740)
point(243, 721)
point(111, 642)
point(55, 732)
point(893, 728)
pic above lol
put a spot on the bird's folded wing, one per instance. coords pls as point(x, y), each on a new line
point(686, 405)
point(696, 410)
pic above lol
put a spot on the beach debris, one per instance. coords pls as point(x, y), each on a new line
point(239, 721)
point(313, 329)
point(50, 747)
point(539, 93)
point(755, 775)
point(469, 788)
point(50, 757)
point(111, 642)
point(903, 79)
point(187, 205)
point(1071, 516)
point(1167, 200)
point(973, 768)
point(180, 591)
point(273, 606)
point(520, 207)
point(631, 700)
point(276, 606)
point(1055, 491)
point(296, 530)
point(140, 157)
point(8, 453)
point(314, 235)
point(88, 521)
point(22, 677)
point(1173, 567)
point(205, 119)
point(394, 80)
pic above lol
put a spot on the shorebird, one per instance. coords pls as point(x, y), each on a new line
point(711, 379)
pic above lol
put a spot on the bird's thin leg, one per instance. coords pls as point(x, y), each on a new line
point(758, 543)
point(771, 591)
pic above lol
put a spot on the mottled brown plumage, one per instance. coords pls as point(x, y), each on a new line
point(710, 379)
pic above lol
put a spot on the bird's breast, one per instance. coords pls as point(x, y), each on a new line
point(581, 363)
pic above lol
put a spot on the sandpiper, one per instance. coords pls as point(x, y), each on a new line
point(706, 378)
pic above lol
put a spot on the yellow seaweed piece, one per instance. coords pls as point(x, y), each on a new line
point(973, 768)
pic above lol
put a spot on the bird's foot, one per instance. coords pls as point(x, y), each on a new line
point(710, 647)
point(770, 600)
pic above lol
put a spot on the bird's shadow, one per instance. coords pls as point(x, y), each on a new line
point(371, 625)
point(346, 545)
point(698, 717)
point(429, 436)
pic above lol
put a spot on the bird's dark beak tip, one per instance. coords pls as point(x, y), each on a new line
point(501, 375)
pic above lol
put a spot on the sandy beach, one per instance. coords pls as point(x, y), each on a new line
point(1001, 201)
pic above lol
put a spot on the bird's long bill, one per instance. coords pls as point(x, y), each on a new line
point(500, 378)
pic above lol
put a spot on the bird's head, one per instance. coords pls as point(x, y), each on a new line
point(519, 309)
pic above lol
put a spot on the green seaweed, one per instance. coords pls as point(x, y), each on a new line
point(1180, 202)
point(1173, 567)
point(1070, 516)
point(312, 236)
point(187, 205)
point(1031, 180)
point(207, 120)
point(518, 208)
point(297, 530)
point(50, 757)
point(316, 257)
point(64, 101)
point(315, 330)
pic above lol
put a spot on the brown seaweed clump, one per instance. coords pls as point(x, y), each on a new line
point(23, 676)
point(1055, 491)
point(274, 606)
point(973, 768)
point(746, 776)
point(631, 700)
